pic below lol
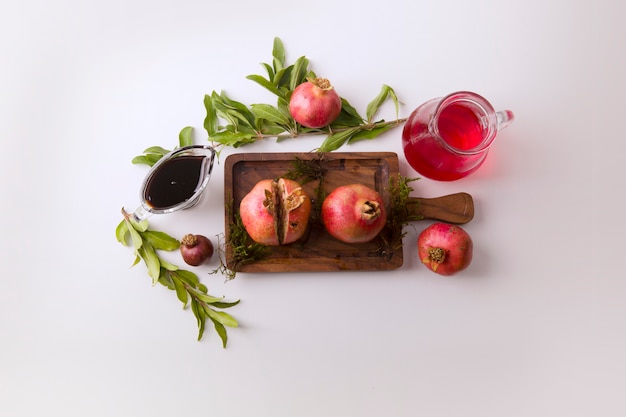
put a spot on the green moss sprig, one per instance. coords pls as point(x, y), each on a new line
point(308, 170)
point(399, 217)
point(243, 249)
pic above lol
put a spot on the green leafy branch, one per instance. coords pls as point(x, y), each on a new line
point(186, 284)
point(248, 124)
point(232, 123)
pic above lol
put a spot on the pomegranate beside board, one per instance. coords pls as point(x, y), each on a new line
point(445, 248)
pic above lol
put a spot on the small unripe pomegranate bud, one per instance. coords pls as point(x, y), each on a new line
point(196, 249)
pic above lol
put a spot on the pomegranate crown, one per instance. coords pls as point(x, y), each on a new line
point(370, 210)
point(322, 83)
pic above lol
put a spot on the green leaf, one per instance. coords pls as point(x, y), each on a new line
point(374, 105)
point(185, 137)
point(166, 280)
point(264, 83)
point(225, 304)
point(121, 231)
point(151, 156)
point(299, 72)
point(141, 159)
point(200, 317)
point(134, 235)
point(283, 105)
point(282, 79)
point(233, 112)
point(221, 331)
point(188, 277)
point(156, 150)
point(337, 140)
point(168, 266)
point(270, 113)
point(349, 116)
point(211, 121)
point(149, 159)
point(221, 317)
point(136, 261)
point(270, 71)
point(370, 133)
point(223, 112)
point(238, 109)
point(160, 240)
point(270, 129)
point(205, 298)
point(140, 226)
point(395, 100)
point(181, 292)
point(278, 54)
point(234, 139)
point(151, 259)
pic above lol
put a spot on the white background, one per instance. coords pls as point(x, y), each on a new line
point(536, 325)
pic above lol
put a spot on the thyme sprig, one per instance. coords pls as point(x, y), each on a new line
point(189, 290)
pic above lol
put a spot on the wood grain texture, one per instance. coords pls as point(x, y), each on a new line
point(453, 208)
point(317, 250)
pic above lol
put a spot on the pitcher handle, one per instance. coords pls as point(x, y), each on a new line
point(505, 118)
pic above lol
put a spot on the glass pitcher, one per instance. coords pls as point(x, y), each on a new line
point(448, 138)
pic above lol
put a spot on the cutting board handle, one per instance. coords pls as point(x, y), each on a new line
point(453, 208)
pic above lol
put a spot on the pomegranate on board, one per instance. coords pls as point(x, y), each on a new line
point(275, 212)
point(354, 213)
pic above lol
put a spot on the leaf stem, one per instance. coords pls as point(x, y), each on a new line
point(292, 133)
point(185, 283)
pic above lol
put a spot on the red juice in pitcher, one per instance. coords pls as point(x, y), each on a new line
point(447, 139)
point(460, 127)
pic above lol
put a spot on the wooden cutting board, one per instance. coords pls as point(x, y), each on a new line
point(318, 251)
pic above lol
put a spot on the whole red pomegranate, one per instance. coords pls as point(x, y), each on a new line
point(354, 213)
point(196, 249)
point(275, 212)
point(315, 103)
point(445, 248)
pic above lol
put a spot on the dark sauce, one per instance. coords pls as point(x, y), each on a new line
point(174, 182)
